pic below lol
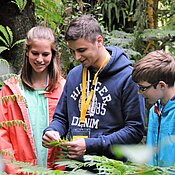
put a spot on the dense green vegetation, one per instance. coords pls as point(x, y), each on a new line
point(129, 24)
point(137, 26)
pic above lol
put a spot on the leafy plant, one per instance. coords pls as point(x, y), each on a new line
point(5, 71)
point(123, 40)
point(117, 11)
point(102, 165)
point(92, 165)
point(50, 12)
point(7, 39)
point(28, 168)
point(20, 3)
point(163, 39)
point(13, 123)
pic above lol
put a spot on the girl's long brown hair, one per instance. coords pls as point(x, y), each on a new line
point(54, 68)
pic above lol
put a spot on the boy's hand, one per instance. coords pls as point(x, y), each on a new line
point(50, 136)
point(76, 148)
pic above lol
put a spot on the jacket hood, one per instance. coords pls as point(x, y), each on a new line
point(117, 55)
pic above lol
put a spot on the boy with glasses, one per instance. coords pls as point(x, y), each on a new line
point(155, 76)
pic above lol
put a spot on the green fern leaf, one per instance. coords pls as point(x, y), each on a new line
point(20, 3)
point(2, 48)
point(1, 83)
point(13, 123)
point(6, 31)
point(3, 30)
point(13, 98)
point(8, 76)
point(18, 42)
point(4, 42)
point(3, 61)
point(10, 36)
point(6, 153)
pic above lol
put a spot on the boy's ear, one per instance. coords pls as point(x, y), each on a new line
point(100, 40)
point(162, 84)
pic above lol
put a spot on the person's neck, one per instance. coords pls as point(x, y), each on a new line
point(103, 55)
point(39, 80)
point(168, 95)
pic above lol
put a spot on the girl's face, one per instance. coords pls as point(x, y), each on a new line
point(40, 55)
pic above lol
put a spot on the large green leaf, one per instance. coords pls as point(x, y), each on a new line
point(3, 30)
point(8, 36)
point(2, 48)
point(18, 42)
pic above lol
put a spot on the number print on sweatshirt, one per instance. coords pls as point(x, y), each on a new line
point(97, 106)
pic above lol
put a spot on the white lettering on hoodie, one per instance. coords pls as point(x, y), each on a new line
point(96, 106)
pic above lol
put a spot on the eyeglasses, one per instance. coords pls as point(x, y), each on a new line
point(144, 88)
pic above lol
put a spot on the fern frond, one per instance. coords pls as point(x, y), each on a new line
point(14, 97)
point(1, 84)
point(39, 170)
point(26, 167)
point(9, 76)
point(61, 154)
point(13, 123)
point(70, 163)
point(57, 143)
point(7, 153)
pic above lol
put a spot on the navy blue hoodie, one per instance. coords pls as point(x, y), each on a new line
point(116, 112)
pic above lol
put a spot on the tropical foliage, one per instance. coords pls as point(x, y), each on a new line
point(7, 39)
point(5, 71)
point(137, 26)
point(20, 3)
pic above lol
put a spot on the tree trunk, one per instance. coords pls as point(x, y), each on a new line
point(152, 10)
point(19, 23)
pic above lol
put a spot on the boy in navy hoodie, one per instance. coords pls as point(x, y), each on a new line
point(155, 75)
point(100, 105)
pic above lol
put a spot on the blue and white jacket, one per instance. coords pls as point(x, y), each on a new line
point(161, 134)
point(116, 112)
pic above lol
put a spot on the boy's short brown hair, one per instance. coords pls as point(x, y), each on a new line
point(154, 67)
point(85, 26)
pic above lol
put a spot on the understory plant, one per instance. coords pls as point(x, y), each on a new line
point(7, 39)
point(136, 155)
